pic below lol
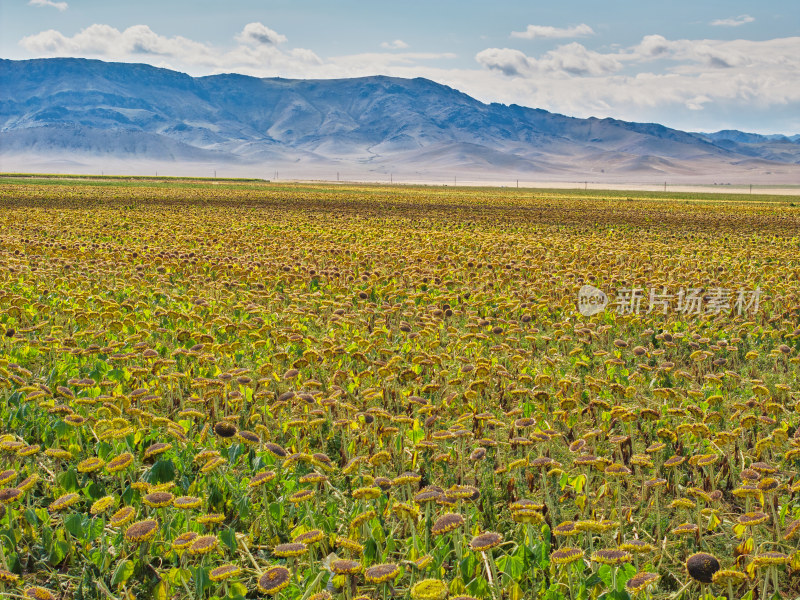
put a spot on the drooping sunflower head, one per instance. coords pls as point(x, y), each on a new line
point(382, 573)
point(141, 531)
point(274, 580)
point(429, 589)
point(701, 566)
point(485, 541)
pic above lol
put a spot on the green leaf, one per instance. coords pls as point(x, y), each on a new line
point(58, 551)
point(276, 511)
point(201, 580)
point(30, 516)
point(69, 480)
point(74, 524)
point(605, 574)
point(122, 573)
point(228, 537)
point(162, 471)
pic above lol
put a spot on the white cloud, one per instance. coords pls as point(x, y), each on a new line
point(733, 21)
point(395, 45)
point(256, 51)
point(506, 60)
point(62, 6)
point(260, 34)
point(546, 31)
point(570, 59)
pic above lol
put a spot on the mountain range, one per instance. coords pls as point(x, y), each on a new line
point(73, 114)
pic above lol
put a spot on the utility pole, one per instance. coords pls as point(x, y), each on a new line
point(337, 175)
point(751, 188)
point(391, 180)
point(517, 183)
point(665, 186)
point(215, 173)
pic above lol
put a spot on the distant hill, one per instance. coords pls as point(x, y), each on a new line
point(88, 111)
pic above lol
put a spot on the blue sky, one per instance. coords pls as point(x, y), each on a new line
point(696, 65)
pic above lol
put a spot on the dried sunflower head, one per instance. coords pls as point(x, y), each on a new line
point(274, 580)
point(381, 573)
point(141, 531)
point(224, 572)
point(446, 523)
point(640, 581)
point(485, 541)
point(701, 566)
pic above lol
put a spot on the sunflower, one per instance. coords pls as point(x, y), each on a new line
point(275, 450)
point(567, 528)
point(485, 541)
point(429, 494)
point(381, 573)
point(261, 478)
point(8, 577)
point(102, 505)
point(211, 519)
point(187, 502)
point(309, 537)
point(58, 453)
point(155, 449)
point(203, 544)
point(407, 478)
point(313, 477)
point(7, 476)
point(429, 589)
point(345, 566)
point(38, 593)
point(212, 464)
point(225, 429)
point(184, 540)
point(224, 572)
point(612, 556)
point(406, 511)
point(301, 496)
point(771, 558)
point(565, 556)
point(28, 483)
point(158, 499)
point(349, 544)
point(90, 465)
point(248, 437)
point(446, 523)
point(64, 501)
point(290, 549)
point(141, 531)
point(701, 566)
point(274, 580)
point(685, 529)
point(640, 581)
point(122, 516)
point(725, 576)
point(118, 463)
point(362, 518)
point(366, 493)
point(752, 519)
point(637, 547)
point(9, 495)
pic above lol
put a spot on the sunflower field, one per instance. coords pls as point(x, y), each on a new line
point(229, 390)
